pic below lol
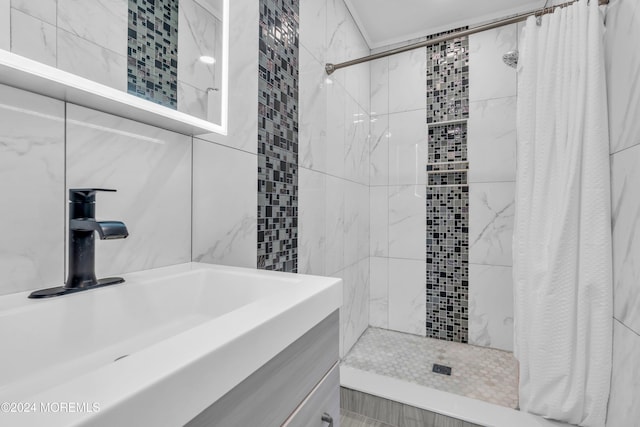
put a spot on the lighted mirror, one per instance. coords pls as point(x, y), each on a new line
point(169, 53)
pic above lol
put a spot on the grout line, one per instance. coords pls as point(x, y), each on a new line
point(515, 96)
point(623, 324)
point(223, 145)
point(490, 265)
point(333, 176)
point(491, 182)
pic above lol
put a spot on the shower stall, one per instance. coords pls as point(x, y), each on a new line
point(425, 253)
point(442, 182)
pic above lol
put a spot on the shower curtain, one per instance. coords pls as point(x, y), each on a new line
point(562, 233)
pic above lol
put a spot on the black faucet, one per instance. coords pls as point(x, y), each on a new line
point(82, 225)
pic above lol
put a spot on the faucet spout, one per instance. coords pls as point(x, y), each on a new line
point(107, 230)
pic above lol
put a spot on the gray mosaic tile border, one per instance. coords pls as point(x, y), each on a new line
point(448, 80)
point(447, 193)
point(278, 136)
point(152, 51)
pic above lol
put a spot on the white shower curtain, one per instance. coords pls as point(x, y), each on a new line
point(562, 233)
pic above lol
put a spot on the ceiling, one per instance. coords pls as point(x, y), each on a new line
point(385, 22)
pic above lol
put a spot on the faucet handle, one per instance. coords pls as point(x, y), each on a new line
point(85, 195)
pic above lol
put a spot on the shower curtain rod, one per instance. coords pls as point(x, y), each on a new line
point(330, 68)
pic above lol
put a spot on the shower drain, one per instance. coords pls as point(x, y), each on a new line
point(441, 369)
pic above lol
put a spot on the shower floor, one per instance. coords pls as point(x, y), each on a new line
point(477, 372)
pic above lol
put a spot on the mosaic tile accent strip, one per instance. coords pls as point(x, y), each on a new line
point(448, 263)
point(152, 63)
point(447, 245)
point(448, 143)
point(448, 80)
point(477, 372)
point(278, 136)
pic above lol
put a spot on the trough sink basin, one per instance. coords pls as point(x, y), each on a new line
point(156, 350)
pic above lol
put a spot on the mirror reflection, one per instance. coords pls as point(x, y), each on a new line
point(169, 52)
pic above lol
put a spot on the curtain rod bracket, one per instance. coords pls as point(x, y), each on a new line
point(329, 69)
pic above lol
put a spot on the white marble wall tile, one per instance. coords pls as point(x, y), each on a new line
point(491, 214)
point(354, 313)
point(625, 178)
point(44, 10)
point(491, 306)
point(336, 129)
point(352, 220)
point(32, 191)
point(379, 221)
point(103, 22)
point(313, 27)
point(33, 38)
point(312, 112)
point(357, 81)
point(408, 81)
point(379, 150)
point(243, 79)
point(151, 169)
point(407, 222)
point(197, 36)
point(356, 222)
point(492, 140)
point(193, 101)
point(356, 148)
point(364, 224)
point(489, 77)
point(407, 296)
point(379, 294)
point(623, 408)
point(85, 59)
point(408, 147)
point(337, 36)
point(334, 225)
point(379, 70)
point(224, 205)
point(5, 24)
point(622, 59)
point(311, 221)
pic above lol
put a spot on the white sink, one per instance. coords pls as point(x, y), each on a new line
point(190, 333)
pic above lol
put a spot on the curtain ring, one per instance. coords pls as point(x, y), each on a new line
point(542, 12)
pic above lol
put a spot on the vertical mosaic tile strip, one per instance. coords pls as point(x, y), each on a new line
point(152, 67)
point(447, 196)
point(278, 136)
point(448, 80)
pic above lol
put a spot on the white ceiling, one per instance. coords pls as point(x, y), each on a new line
point(385, 22)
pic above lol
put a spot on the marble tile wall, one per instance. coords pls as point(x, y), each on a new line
point(334, 123)
point(152, 169)
point(622, 65)
point(225, 173)
point(491, 151)
point(398, 143)
point(397, 149)
point(32, 169)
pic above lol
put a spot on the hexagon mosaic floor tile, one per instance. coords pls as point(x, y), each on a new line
point(477, 372)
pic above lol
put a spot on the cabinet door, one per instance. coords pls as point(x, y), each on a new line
point(323, 401)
